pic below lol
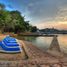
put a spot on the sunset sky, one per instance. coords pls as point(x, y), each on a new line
point(42, 13)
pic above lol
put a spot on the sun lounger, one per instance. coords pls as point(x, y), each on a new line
point(9, 45)
point(9, 49)
point(10, 39)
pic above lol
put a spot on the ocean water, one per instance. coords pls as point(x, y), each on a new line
point(43, 43)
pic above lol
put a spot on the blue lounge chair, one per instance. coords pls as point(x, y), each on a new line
point(10, 43)
point(9, 49)
point(10, 39)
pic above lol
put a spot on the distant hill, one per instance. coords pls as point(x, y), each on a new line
point(52, 31)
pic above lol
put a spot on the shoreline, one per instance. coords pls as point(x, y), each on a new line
point(35, 58)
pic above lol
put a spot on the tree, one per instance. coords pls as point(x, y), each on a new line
point(13, 21)
point(2, 6)
point(18, 21)
point(5, 19)
point(34, 29)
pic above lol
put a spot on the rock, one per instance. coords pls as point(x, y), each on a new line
point(54, 48)
point(55, 45)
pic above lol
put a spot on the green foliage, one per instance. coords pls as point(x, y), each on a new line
point(12, 21)
point(34, 29)
point(2, 6)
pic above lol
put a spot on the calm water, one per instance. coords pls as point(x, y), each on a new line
point(44, 42)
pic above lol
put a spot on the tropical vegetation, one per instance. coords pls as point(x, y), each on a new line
point(13, 21)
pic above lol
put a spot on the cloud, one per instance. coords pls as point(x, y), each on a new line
point(41, 11)
point(46, 9)
point(52, 25)
point(61, 15)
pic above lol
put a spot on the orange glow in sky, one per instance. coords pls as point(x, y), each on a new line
point(58, 25)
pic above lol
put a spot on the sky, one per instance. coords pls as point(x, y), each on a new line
point(41, 13)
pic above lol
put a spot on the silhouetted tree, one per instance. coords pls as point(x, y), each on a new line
point(34, 29)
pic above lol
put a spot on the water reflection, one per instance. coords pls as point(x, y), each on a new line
point(44, 42)
point(63, 42)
